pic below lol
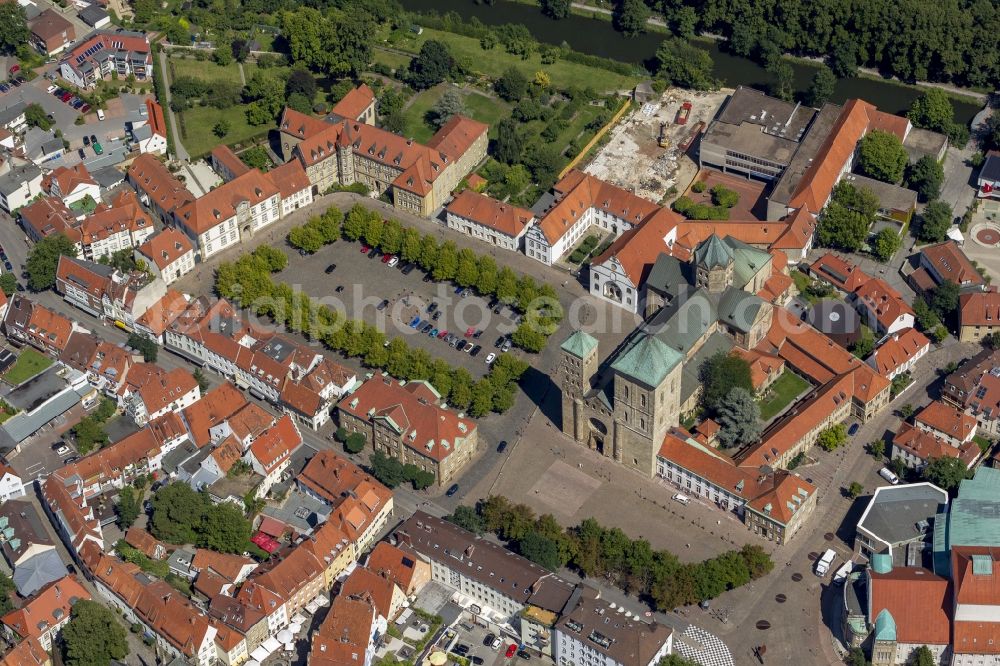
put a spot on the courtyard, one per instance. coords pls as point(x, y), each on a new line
point(782, 393)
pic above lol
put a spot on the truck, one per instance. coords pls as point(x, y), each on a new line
point(683, 113)
point(843, 572)
point(824, 562)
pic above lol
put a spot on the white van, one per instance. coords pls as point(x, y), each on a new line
point(683, 499)
point(100, 114)
point(824, 562)
point(887, 474)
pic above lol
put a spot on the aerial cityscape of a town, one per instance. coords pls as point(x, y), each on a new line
point(499, 332)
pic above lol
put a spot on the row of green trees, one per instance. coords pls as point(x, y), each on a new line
point(318, 231)
point(248, 283)
point(446, 263)
point(602, 552)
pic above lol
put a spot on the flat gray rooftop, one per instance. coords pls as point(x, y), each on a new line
point(775, 116)
point(895, 511)
point(810, 145)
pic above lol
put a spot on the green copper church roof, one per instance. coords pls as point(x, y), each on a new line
point(885, 626)
point(882, 563)
point(579, 344)
point(974, 519)
point(647, 360)
point(713, 252)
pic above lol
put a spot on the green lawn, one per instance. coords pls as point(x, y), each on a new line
point(479, 107)
point(28, 364)
point(495, 61)
point(783, 391)
point(205, 70)
point(197, 124)
point(391, 59)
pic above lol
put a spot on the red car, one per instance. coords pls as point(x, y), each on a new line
point(66, 96)
point(364, 249)
point(442, 334)
point(469, 332)
point(386, 257)
point(511, 650)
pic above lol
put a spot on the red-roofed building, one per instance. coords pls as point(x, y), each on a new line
point(50, 33)
point(310, 399)
point(47, 216)
point(357, 105)
point(764, 368)
point(104, 363)
point(899, 353)
point(976, 615)
point(65, 502)
point(31, 323)
point(882, 306)
point(945, 421)
point(347, 635)
point(908, 607)
point(46, 613)
point(842, 274)
point(978, 315)
point(211, 410)
point(378, 589)
point(158, 189)
point(168, 255)
point(152, 137)
point(946, 262)
point(227, 164)
point(406, 423)
point(150, 392)
point(106, 53)
point(119, 225)
point(160, 315)
point(218, 219)
point(28, 652)
point(146, 543)
point(293, 185)
point(71, 184)
point(489, 220)
point(271, 453)
point(345, 151)
point(916, 447)
point(404, 568)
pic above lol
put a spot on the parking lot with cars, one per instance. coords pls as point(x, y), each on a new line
point(482, 646)
point(447, 321)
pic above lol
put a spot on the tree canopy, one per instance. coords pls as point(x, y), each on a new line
point(683, 64)
point(629, 17)
point(934, 222)
point(557, 9)
point(885, 244)
point(43, 260)
point(13, 27)
point(925, 176)
point(833, 437)
point(738, 416)
point(720, 374)
point(821, 87)
point(432, 65)
point(881, 156)
point(945, 472)
point(182, 516)
point(845, 220)
point(93, 636)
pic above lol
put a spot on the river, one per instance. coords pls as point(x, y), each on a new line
point(597, 37)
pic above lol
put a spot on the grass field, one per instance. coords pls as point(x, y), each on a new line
point(783, 391)
point(391, 59)
point(495, 61)
point(197, 135)
point(205, 70)
point(28, 364)
point(478, 107)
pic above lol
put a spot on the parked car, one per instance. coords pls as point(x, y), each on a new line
point(383, 305)
point(432, 306)
point(85, 108)
point(339, 288)
point(502, 446)
point(407, 269)
point(414, 322)
point(436, 316)
point(499, 343)
point(853, 430)
point(489, 359)
point(477, 334)
point(506, 346)
point(511, 650)
point(386, 257)
point(62, 450)
point(426, 328)
point(497, 642)
point(469, 332)
point(51, 89)
point(433, 334)
point(98, 148)
point(461, 345)
point(443, 334)
point(488, 641)
point(524, 654)
point(373, 253)
point(392, 262)
point(93, 138)
point(83, 154)
point(452, 490)
point(461, 649)
point(86, 140)
point(476, 660)
point(364, 249)
point(475, 350)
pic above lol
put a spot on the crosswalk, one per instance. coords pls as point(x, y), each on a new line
point(702, 647)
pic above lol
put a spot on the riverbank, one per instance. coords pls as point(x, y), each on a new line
point(596, 36)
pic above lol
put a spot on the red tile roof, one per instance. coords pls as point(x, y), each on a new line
point(638, 249)
point(843, 274)
point(393, 562)
point(230, 567)
point(220, 204)
point(947, 420)
point(980, 308)
point(333, 477)
point(951, 264)
point(48, 216)
point(578, 192)
point(412, 411)
point(165, 247)
point(154, 114)
point(224, 156)
point(927, 446)
point(977, 636)
point(354, 103)
point(159, 316)
point(50, 606)
point(898, 350)
point(145, 542)
point(363, 583)
point(889, 122)
point(290, 178)
point(456, 136)
point(918, 602)
point(827, 166)
point(505, 218)
point(44, 326)
point(153, 179)
point(883, 301)
point(276, 445)
point(344, 636)
point(69, 178)
point(762, 365)
point(28, 652)
point(158, 388)
point(212, 409)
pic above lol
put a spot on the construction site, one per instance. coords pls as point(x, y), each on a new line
point(645, 153)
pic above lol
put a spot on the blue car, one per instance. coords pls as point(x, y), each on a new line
point(458, 290)
point(853, 430)
point(433, 333)
point(415, 322)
